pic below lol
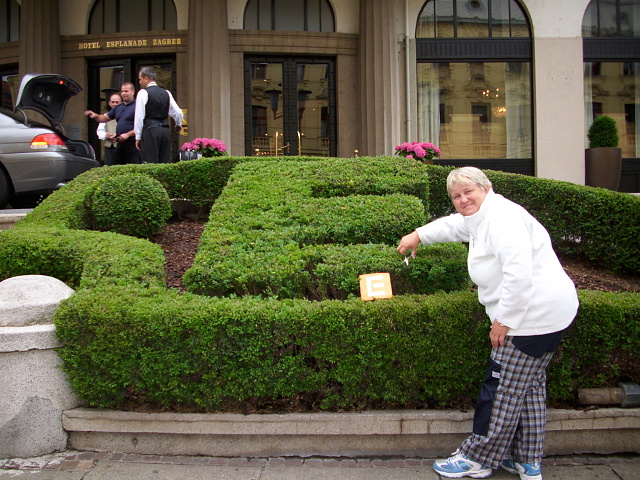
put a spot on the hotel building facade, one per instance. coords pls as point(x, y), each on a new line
point(511, 85)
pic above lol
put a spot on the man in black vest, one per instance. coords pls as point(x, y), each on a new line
point(153, 107)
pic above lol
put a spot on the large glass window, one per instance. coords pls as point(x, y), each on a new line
point(474, 80)
point(613, 89)
point(611, 31)
point(296, 15)
point(479, 110)
point(9, 21)
point(612, 18)
point(111, 16)
point(472, 19)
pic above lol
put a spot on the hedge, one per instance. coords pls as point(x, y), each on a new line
point(130, 341)
point(148, 346)
point(276, 241)
point(82, 259)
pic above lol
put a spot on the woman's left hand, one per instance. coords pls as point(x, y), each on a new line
point(497, 334)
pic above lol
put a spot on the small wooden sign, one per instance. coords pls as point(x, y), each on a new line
point(375, 285)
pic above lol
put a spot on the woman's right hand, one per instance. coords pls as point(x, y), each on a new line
point(409, 243)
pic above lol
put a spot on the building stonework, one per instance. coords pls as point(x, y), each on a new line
point(355, 82)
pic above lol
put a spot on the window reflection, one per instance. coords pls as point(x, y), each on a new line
point(613, 89)
point(110, 16)
point(296, 15)
point(477, 109)
point(472, 19)
point(612, 18)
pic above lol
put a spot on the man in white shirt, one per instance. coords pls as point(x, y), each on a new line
point(107, 132)
point(153, 107)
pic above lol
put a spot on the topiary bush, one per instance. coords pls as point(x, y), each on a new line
point(603, 132)
point(135, 205)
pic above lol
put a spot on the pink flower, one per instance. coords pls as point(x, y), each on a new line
point(207, 147)
point(418, 150)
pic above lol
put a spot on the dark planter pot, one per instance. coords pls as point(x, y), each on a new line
point(602, 167)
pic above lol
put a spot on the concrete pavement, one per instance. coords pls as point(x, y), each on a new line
point(74, 465)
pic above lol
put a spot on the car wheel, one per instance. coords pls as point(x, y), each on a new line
point(5, 189)
point(27, 200)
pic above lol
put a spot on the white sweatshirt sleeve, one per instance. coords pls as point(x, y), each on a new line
point(445, 229)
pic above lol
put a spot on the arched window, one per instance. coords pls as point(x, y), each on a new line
point(611, 46)
point(474, 82)
point(472, 19)
point(9, 21)
point(111, 16)
point(297, 15)
point(612, 18)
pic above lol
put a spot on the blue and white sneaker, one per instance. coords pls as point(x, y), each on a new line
point(527, 471)
point(459, 466)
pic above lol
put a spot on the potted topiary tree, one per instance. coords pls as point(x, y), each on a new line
point(603, 158)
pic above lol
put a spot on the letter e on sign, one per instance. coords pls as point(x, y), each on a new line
point(375, 285)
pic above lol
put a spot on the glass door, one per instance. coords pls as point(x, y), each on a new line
point(289, 106)
point(106, 77)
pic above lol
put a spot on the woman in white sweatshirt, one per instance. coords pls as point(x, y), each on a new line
point(530, 302)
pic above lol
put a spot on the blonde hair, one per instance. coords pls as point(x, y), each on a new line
point(467, 176)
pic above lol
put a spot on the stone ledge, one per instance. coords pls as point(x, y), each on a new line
point(402, 433)
point(8, 218)
point(32, 337)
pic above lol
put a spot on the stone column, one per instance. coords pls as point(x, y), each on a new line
point(39, 36)
point(380, 101)
point(208, 75)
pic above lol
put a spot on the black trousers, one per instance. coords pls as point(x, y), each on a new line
point(109, 155)
point(126, 152)
point(155, 144)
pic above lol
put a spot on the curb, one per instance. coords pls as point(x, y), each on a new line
point(83, 461)
point(405, 433)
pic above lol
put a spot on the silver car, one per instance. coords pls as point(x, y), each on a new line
point(36, 159)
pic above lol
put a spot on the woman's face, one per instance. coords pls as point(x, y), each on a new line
point(467, 198)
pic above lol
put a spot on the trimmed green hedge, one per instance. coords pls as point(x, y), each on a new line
point(130, 341)
point(285, 240)
point(134, 204)
point(127, 347)
point(82, 259)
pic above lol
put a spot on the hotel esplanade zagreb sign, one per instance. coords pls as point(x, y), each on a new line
point(103, 44)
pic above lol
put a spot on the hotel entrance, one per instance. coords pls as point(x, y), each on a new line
point(290, 106)
point(105, 78)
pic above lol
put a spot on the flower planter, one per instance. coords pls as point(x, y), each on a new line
point(602, 167)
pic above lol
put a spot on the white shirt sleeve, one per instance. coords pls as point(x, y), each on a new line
point(141, 107)
point(175, 111)
point(101, 131)
point(445, 229)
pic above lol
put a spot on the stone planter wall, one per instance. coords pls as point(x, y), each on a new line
point(34, 389)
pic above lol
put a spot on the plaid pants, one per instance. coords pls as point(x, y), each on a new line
point(515, 410)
